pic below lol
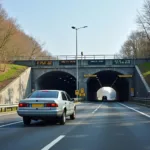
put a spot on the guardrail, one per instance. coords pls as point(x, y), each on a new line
point(5, 108)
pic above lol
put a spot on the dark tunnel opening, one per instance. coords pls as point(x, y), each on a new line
point(108, 79)
point(57, 80)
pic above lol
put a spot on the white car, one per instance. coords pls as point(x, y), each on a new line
point(47, 104)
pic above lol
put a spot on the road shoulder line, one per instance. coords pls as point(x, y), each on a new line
point(144, 114)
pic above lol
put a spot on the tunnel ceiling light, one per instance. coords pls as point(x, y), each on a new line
point(90, 76)
point(125, 76)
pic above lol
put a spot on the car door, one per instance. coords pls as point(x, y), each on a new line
point(71, 103)
point(66, 102)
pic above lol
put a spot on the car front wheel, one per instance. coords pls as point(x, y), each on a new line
point(26, 120)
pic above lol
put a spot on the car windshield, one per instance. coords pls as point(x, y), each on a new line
point(44, 94)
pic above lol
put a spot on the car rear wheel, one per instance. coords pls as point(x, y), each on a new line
point(63, 119)
point(26, 120)
point(73, 116)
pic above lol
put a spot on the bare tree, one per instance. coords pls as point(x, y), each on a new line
point(36, 48)
point(135, 46)
point(15, 42)
point(143, 18)
point(4, 39)
point(3, 15)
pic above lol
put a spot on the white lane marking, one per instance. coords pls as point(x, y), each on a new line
point(47, 147)
point(96, 109)
point(135, 110)
point(5, 125)
point(5, 114)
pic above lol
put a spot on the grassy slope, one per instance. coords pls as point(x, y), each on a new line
point(145, 70)
point(12, 71)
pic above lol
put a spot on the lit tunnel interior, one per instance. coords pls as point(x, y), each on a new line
point(108, 79)
point(106, 91)
point(57, 80)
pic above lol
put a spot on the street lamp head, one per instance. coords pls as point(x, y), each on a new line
point(73, 27)
point(85, 26)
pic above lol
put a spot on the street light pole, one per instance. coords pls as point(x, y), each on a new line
point(77, 67)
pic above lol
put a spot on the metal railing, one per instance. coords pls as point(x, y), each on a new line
point(67, 57)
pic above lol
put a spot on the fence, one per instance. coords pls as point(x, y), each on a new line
point(69, 57)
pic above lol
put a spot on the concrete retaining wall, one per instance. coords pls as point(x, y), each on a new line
point(141, 86)
point(17, 89)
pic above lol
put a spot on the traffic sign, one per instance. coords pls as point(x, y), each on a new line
point(82, 94)
point(121, 62)
point(132, 91)
point(82, 90)
point(96, 62)
point(44, 63)
point(77, 92)
point(125, 76)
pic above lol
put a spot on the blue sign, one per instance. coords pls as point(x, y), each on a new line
point(96, 62)
point(121, 62)
point(67, 62)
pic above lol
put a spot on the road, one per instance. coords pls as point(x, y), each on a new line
point(98, 126)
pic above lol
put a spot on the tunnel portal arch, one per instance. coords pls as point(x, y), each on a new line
point(108, 78)
point(57, 80)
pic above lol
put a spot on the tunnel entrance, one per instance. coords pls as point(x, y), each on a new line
point(57, 80)
point(108, 79)
point(109, 92)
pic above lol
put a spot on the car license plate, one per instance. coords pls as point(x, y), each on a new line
point(37, 105)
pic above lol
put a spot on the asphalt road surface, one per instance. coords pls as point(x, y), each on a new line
point(98, 126)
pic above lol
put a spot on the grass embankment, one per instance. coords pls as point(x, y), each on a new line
point(11, 72)
point(145, 70)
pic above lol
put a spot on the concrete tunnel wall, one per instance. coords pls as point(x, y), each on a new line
point(38, 73)
point(141, 87)
point(107, 78)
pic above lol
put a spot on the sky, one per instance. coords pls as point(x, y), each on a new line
point(49, 21)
